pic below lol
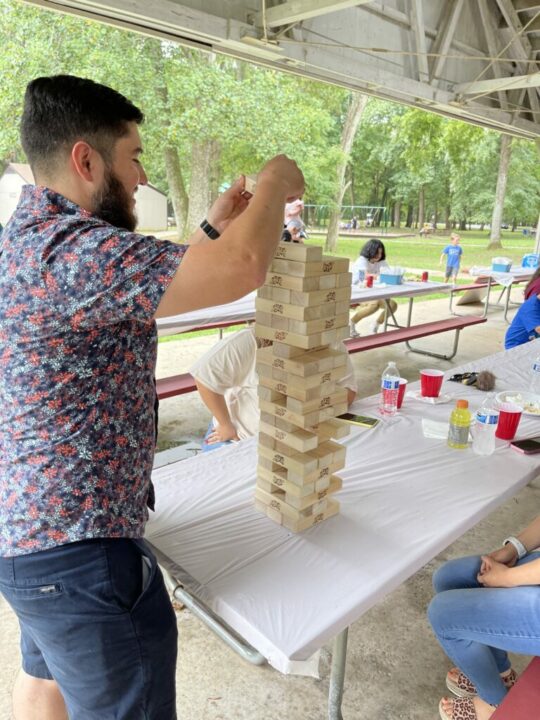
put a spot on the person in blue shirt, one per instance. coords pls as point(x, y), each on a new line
point(525, 325)
point(453, 254)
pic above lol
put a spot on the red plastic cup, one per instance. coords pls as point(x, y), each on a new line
point(369, 280)
point(401, 391)
point(509, 417)
point(425, 276)
point(431, 382)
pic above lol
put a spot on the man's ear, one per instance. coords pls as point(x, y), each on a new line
point(86, 161)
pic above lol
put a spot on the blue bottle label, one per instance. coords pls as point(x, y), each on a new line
point(390, 384)
point(487, 418)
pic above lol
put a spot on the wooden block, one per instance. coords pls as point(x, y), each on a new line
point(321, 473)
point(250, 183)
point(328, 266)
point(296, 381)
point(276, 501)
point(269, 394)
point(298, 251)
point(317, 326)
point(302, 464)
point(317, 297)
point(302, 408)
point(304, 364)
point(344, 280)
point(334, 428)
point(326, 282)
point(335, 265)
point(307, 342)
point(279, 349)
point(280, 410)
point(301, 503)
point(264, 318)
point(332, 508)
point(284, 424)
point(299, 440)
point(330, 453)
point(300, 312)
point(268, 511)
point(276, 321)
point(276, 294)
point(290, 282)
point(332, 336)
point(299, 393)
point(278, 478)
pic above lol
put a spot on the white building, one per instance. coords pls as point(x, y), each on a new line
point(150, 203)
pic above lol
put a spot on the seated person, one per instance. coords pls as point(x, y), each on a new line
point(227, 382)
point(370, 261)
point(525, 325)
point(533, 286)
point(292, 233)
point(485, 607)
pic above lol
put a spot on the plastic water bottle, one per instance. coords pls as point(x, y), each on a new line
point(487, 417)
point(389, 389)
point(535, 376)
point(458, 429)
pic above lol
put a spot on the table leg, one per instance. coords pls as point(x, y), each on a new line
point(337, 676)
point(486, 301)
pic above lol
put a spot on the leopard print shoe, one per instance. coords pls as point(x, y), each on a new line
point(464, 688)
point(462, 709)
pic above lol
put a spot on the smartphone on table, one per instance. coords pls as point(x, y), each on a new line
point(362, 420)
point(529, 446)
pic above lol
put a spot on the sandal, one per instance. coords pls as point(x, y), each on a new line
point(464, 688)
point(462, 709)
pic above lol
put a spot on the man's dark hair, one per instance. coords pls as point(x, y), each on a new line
point(62, 109)
point(371, 248)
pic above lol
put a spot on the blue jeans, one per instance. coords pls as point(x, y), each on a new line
point(95, 616)
point(476, 626)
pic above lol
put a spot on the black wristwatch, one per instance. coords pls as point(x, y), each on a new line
point(207, 229)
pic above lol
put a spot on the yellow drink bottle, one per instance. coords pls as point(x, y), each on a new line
point(460, 422)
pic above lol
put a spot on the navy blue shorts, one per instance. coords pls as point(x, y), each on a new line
point(95, 617)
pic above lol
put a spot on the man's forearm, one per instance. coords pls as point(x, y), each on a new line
point(526, 574)
point(530, 537)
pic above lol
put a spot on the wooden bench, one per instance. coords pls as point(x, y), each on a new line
point(523, 700)
point(406, 334)
point(185, 383)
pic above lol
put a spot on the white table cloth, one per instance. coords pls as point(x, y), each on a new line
point(404, 499)
point(243, 309)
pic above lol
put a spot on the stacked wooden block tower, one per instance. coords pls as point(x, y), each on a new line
point(303, 308)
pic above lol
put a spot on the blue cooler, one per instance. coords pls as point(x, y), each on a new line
point(499, 267)
point(530, 260)
point(391, 279)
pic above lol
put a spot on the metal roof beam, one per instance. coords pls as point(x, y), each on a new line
point(294, 11)
point(503, 83)
point(419, 30)
point(442, 42)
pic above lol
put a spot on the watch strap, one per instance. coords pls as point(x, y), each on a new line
point(518, 545)
point(207, 229)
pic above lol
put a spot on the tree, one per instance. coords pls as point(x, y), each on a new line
point(355, 110)
point(502, 177)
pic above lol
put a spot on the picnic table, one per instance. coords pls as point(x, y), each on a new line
point(405, 498)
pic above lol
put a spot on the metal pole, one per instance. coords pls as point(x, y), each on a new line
point(537, 236)
point(337, 676)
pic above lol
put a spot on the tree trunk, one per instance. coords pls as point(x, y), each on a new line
point(199, 185)
point(496, 218)
point(410, 216)
point(177, 190)
point(421, 208)
point(397, 214)
point(352, 120)
point(447, 218)
point(463, 223)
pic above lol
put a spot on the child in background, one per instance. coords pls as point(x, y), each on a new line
point(453, 254)
point(370, 261)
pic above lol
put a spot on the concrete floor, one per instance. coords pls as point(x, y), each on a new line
point(395, 669)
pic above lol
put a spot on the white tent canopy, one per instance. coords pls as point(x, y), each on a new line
point(475, 60)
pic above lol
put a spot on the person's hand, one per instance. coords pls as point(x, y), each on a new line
point(493, 573)
point(222, 433)
point(506, 555)
point(228, 206)
point(283, 172)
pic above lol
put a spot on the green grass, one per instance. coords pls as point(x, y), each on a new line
point(424, 253)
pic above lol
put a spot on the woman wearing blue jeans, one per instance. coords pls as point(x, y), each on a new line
point(486, 606)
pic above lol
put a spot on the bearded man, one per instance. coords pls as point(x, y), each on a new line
point(79, 294)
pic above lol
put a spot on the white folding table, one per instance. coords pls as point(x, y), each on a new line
point(405, 498)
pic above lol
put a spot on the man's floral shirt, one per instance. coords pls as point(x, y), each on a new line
point(77, 357)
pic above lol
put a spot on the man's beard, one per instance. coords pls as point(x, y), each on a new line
point(113, 204)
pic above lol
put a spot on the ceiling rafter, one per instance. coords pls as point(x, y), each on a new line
point(295, 11)
point(443, 40)
point(417, 24)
